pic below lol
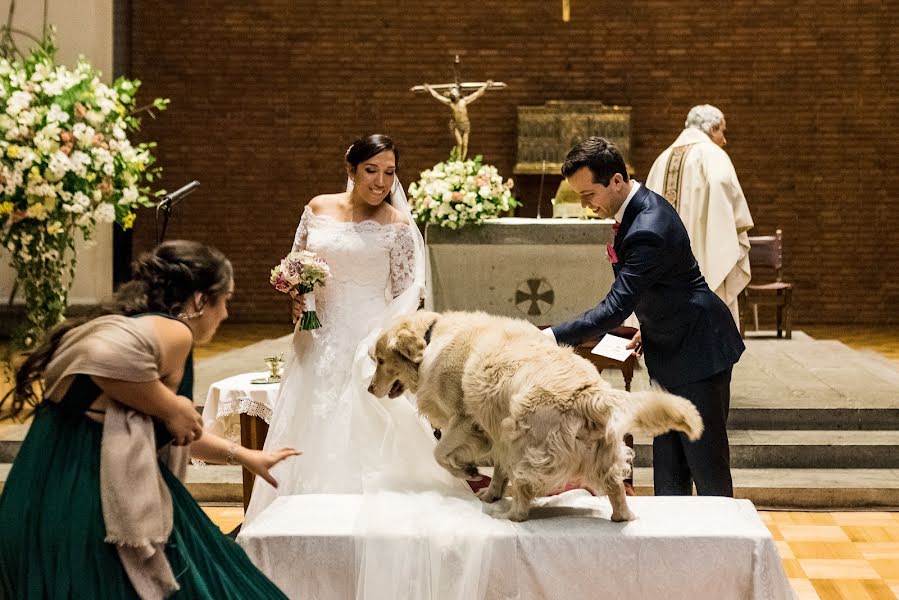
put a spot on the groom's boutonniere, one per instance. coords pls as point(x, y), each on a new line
point(611, 255)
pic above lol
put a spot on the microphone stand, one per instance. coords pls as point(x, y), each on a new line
point(168, 202)
point(540, 193)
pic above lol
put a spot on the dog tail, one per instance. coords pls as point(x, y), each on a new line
point(655, 412)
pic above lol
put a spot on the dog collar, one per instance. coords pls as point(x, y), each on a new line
point(429, 331)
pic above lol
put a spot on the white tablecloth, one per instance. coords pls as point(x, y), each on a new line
point(229, 398)
point(678, 547)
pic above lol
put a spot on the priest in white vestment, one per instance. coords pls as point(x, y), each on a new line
point(696, 176)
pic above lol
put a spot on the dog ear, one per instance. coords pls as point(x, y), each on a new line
point(408, 344)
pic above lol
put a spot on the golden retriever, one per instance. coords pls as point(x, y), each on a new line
point(502, 393)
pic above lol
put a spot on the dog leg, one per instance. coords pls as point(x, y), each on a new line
point(497, 486)
point(523, 493)
point(618, 500)
point(522, 496)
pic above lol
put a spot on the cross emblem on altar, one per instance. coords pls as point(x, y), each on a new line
point(534, 297)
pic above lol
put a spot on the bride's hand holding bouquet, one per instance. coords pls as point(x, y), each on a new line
point(297, 274)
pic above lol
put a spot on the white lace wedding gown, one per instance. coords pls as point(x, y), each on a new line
point(351, 441)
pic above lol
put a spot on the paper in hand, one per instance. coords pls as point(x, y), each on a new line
point(614, 347)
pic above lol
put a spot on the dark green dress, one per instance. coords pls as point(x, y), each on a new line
point(51, 521)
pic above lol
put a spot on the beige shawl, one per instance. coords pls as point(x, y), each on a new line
point(137, 506)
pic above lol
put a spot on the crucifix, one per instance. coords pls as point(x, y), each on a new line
point(452, 95)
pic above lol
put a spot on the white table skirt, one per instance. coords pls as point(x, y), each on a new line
point(229, 398)
point(715, 548)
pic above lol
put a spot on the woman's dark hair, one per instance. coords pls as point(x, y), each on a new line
point(371, 145)
point(599, 155)
point(164, 280)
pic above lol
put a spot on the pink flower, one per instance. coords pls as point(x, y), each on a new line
point(281, 284)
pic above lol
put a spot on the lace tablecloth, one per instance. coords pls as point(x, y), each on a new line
point(229, 398)
point(689, 548)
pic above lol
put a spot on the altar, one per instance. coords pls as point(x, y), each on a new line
point(542, 270)
point(312, 546)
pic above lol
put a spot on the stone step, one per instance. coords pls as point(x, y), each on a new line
point(803, 489)
point(749, 448)
point(813, 418)
point(798, 489)
point(207, 483)
point(793, 449)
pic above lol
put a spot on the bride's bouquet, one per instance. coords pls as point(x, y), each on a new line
point(300, 272)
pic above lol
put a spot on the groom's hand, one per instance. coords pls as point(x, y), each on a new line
point(636, 344)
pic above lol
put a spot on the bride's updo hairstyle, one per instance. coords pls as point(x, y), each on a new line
point(371, 145)
point(165, 278)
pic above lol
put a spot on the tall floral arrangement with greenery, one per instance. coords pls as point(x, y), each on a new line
point(66, 165)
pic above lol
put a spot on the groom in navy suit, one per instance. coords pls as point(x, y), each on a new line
point(686, 332)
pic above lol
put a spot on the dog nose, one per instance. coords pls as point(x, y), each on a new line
point(371, 389)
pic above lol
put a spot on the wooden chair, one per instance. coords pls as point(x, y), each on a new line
point(766, 252)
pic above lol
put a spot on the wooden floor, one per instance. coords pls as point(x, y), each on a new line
point(826, 555)
point(838, 555)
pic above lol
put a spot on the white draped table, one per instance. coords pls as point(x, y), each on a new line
point(678, 547)
point(229, 398)
point(240, 410)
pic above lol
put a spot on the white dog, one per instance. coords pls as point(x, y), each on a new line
point(504, 394)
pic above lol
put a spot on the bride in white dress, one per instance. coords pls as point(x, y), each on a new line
point(352, 442)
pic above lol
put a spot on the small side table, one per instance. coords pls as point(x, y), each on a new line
point(241, 411)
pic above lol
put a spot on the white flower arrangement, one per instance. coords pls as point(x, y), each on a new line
point(66, 164)
point(457, 193)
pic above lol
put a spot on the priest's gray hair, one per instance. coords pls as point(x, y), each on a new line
point(705, 117)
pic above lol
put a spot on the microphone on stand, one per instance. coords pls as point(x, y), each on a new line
point(168, 201)
point(175, 197)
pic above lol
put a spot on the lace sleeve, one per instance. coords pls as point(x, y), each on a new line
point(299, 239)
point(402, 261)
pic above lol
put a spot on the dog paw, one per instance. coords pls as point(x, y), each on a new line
point(488, 496)
point(625, 515)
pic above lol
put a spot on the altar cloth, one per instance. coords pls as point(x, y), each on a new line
point(678, 547)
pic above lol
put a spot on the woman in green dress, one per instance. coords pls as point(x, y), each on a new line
point(93, 506)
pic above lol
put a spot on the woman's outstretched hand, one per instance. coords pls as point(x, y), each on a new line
point(258, 462)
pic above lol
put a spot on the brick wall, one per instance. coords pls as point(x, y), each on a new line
point(266, 95)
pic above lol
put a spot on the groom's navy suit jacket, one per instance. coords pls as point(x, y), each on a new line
point(688, 332)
